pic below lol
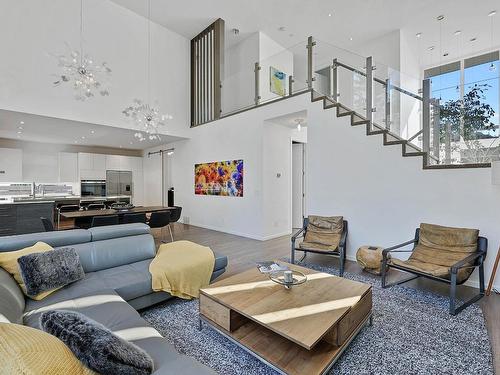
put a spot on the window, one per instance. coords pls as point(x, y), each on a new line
point(471, 88)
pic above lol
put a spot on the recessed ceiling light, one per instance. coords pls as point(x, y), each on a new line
point(458, 32)
point(19, 132)
point(83, 137)
point(350, 38)
point(329, 14)
point(431, 48)
point(20, 127)
point(21, 122)
point(92, 131)
point(131, 143)
point(440, 18)
point(492, 13)
point(76, 141)
point(418, 35)
point(473, 39)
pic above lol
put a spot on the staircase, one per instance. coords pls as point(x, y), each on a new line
point(408, 149)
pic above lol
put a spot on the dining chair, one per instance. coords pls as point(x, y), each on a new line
point(65, 208)
point(175, 215)
point(134, 218)
point(160, 219)
point(48, 225)
point(100, 221)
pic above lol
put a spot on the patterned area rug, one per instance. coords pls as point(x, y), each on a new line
point(412, 333)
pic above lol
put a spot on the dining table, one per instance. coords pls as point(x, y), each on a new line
point(111, 211)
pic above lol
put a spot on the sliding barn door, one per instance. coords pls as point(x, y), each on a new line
point(207, 60)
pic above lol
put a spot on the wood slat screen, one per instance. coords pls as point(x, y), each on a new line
point(207, 59)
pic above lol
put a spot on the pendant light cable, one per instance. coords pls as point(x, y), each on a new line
point(81, 32)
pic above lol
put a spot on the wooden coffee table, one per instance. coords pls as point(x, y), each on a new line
point(302, 330)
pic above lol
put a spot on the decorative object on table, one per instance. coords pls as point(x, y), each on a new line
point(95, 345)
point(81, 71)
point(182, 268)
point(277, 81)
point(270, 266)
point(370, 258)
point(325, 235)
point(50, 270)
point(288, 278)
point(442, 254)
point(27, 350)
point(493, 273)
point(146, 116)
point(219, 178)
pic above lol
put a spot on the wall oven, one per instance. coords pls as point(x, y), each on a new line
point(93, 188)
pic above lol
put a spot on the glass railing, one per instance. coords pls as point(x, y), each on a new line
point(453, 129)
point(274, 75)
point(465, 123)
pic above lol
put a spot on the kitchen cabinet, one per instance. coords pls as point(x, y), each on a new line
point(92, 166)
point(11, 165)
point(68, 167)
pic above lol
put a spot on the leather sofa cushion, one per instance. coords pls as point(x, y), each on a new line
point(321, 247)
point(457, 240)
point(105, 254)
point(324, 230)
point(54, 239)
point(11, 299)
point(431, 269)
point(439, 248)
point(118, 231)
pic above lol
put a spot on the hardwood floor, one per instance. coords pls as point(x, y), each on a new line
point(243, 252)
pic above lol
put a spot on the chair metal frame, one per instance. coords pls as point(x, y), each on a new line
point(476, 257)
point(340, 252)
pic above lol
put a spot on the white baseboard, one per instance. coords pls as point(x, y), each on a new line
point(241, 234)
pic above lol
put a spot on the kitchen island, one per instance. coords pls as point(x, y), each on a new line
point(23, 217)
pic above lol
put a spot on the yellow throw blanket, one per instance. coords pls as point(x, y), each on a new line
point(182, 268)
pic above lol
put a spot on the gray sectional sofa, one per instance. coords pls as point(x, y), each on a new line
point(117, 282)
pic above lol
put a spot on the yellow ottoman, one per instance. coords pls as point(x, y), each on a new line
point(369, 258)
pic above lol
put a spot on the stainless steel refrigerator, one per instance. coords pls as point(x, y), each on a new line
point(119, 183)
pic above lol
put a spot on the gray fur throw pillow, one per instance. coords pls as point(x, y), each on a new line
point(95, 345)
point(50, 270)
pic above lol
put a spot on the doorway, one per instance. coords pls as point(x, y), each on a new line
point(298, 183)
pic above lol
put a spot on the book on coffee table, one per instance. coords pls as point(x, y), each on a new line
point(270, 266)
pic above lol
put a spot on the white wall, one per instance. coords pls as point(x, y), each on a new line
point(31, 31)
point(265, 149)
point(272, 54)
point(385, 196)
point(277, 177)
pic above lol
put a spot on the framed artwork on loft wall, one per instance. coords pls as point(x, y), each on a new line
point(223, 178)
point(277, 81)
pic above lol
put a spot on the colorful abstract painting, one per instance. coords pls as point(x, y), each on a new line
point(219, 178)
point(277, 81)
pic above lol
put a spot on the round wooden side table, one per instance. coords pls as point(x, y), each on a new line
point(370, 258)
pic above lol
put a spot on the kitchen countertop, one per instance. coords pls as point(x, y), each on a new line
point(54, 199)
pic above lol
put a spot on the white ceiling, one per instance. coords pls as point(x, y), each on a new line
point(290, 120)
point(54, 130)
point(361, 20)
